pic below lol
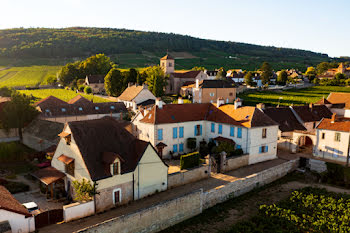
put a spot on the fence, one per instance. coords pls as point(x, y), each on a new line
point(78, 210)
point(171, 212)
point(48, 217)
point(188, 176)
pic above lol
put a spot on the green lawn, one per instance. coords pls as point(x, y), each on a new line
point(62, 94)
point(293, 96)
point(26, 76)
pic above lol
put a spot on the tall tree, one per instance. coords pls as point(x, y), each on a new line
point(114, 82)
point(69, 72)
point(266, 73)
point(156, 80)
point(310, 73)
point(248, 78)
point(98, 64)
point(282, 77)
point(17, 113)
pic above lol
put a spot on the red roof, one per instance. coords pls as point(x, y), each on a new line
point(339, 125)
point(187, 74)
point(323, 101)
point(9, 203)
point(339, 98)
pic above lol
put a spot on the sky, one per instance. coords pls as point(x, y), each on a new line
point(316, 25)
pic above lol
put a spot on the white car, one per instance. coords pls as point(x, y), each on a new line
point(31, 206)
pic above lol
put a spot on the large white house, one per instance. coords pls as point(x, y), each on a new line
point(102, 151)
point(167, 127)
point(137, 96)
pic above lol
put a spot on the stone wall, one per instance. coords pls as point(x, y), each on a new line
point(155, 218)
point(78, 210)
point(188, 176)
point(233, 163)
point(171, 212)
point(317, 165)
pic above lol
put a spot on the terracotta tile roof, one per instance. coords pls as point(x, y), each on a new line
point(97, 78)
point(285, 118)
point(95, 138)
point(175, 113)
point(79, 100)
point(130, 93)
point(167, 57)
point(186, 74)
point(323, 101)
point(9, 203)
point(316, 113)
point(339, 98)
point(50, 101)
point(48, 175)
point(65, 159)
point(339, 125)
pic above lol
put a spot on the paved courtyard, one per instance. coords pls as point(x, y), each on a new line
point(206, 184)
point(40, 199)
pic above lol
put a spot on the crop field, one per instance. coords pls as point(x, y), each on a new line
point(26, 76)
point(306, 210)
point(62, 94)
point(293, 96)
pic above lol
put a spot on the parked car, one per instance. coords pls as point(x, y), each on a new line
point(32, 207)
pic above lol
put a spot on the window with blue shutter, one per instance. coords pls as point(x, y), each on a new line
point(160, 134)
point(260, 150)
point(238, 147)
point(174, 132)
point(212, 127)
point(175, 148)
point(181, 132)
point(232, 131)
point(220, 129)
point(181, 147)
point(266, 149)
point(239, 132)
point(197, 130)
point(200, 132)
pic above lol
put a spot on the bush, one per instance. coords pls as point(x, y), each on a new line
point(238, 152)
point(190, 160)
point(88, 90)
point(191, 143)
point(11, 151)
point(81, 88)
point(229, 148)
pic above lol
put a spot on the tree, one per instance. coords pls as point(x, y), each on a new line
point(248, 79)
point(282, 77)
point(156, 80)
point(266, 73)
point(198, 68)
point(17, 113)
point(98, 64)
point(221, 74)
point(324, 66)
point(227, 147)
point(5, 92)
point(84, 190)
point(52, 79)
point(339, 76)
point(132, 76)
point(68, 73)
point(88, 90)
point(114, 82)
point(191, 143)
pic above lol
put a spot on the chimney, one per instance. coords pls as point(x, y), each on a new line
point(238, 103)
point(159, 103)
point(334, 116)
point(220, 101)
point(180, 100)
point(197, 83)
point(261, 106)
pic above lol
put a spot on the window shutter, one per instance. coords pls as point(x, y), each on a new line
point(260, 149)
point(195, 130)
point(266, 149)
point(200, 132)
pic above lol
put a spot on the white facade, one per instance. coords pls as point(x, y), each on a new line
point(144, 95)
point(18, 222)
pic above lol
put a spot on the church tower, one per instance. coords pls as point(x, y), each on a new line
point(341, 68)
point(167, 63)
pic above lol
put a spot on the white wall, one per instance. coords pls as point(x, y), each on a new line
point(144, 95)
point(65, 119)
point(18, 222)
point(78, 210)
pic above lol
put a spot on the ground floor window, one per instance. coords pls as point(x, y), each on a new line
point(117, 196)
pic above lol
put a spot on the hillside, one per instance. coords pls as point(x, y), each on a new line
point(129, 48)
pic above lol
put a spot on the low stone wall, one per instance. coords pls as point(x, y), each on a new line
point(188, 176)
point(171, 212)
point(155, 218)
point(233, 163)
point(78, 210)
point(244, 185)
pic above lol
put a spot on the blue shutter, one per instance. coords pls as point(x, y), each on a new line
point(212, 127)
point(232, 131)
point(260, 149)
point(266, 149)
point(160, 134)
point(220, 129)
point(175, 148)
point(181, 147)
point(181, 132)
point(175, 132)
point(200, 132)
point(239, 132)
point(195, 130)
point(238, 147)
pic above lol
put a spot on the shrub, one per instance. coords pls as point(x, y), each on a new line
point(189, 161)
point(229, 148)
point(238, 152)
point(84, 190)
point(191, 143)
point(88, 90)
point(81, 88)
point(11, 151)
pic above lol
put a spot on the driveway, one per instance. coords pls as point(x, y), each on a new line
point(206, 184)
point(40, 199)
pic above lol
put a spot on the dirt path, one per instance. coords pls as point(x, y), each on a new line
point(248, 207)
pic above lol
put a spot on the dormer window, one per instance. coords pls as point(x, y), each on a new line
point(112, 107)
point(97, 108)
point(63, 109)
point(115, 168)
point(80, 109)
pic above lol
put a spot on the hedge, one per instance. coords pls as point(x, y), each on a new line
point(190, 160)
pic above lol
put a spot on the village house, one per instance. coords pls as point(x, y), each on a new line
point(333, 139)
point(168, 127)
point(211, 74)
point(77, 109)
point(178, 78)
point(123, 167)
point(208, 91)
point(330, 73)
point(136, 96)
point(14, 217)
point(96, 82)
point(338, 102)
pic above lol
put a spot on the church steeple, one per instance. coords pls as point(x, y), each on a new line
point(167, 63)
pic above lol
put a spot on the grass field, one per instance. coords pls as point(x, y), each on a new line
point(293, 96)
point(26, 76)
point(62, 94)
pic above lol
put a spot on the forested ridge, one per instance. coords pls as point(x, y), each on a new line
point(79, 42)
